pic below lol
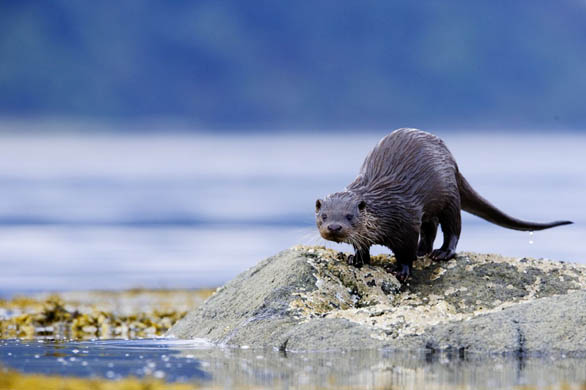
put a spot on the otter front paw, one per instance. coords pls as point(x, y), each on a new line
point(355, 261)
point(402, 272)
point(359, 258)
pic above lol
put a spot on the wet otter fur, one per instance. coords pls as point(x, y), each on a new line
point(407, 186)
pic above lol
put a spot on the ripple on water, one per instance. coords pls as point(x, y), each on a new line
point(114, 359)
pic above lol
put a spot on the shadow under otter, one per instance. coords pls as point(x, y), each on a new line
point(407, 186)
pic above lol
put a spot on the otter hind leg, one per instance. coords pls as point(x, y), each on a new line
point(427, 235)
point(360, 257)
point(451, 224)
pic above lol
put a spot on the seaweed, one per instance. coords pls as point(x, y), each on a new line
point(82, 316)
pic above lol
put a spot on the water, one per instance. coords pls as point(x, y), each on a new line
point(197, 363)
point(104, 359)
point(112, 211)
point(193, 210)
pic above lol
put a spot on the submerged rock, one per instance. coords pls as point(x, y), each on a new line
point(308, 298)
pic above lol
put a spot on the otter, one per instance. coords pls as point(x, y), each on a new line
point(407, 186)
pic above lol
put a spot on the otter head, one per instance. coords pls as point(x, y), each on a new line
point(339, 217)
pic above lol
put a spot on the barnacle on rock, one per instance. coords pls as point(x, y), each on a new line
point(462, 288)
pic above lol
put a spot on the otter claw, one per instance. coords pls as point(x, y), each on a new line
point(353, 260)
point(403, 273)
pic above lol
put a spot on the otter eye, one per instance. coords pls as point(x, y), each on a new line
point(349, 217)
point(324, 217)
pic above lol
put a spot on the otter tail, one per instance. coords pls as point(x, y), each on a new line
point(475, 204)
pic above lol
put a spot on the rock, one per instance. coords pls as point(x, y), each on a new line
point(547, 325)
point(308, 298)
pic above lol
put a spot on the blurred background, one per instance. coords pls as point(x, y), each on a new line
point(175, 144)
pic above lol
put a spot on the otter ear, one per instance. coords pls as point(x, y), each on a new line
point(361, 205)
point(317, 205)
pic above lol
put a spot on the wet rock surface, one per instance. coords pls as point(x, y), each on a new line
point(308, 298)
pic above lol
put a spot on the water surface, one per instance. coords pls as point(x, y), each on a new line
point(196, 362)
point(194, 210)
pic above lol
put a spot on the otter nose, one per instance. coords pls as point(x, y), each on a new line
point(334, 227)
